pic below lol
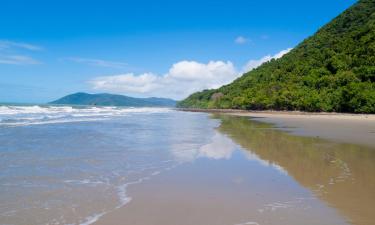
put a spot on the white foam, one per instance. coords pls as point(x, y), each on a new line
point(124, 198)
point(84, 182)
point(248, 223)
point(92, 219)
point(31, 115)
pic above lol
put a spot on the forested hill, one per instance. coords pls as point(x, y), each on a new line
point(334, 70)
point(113, 100)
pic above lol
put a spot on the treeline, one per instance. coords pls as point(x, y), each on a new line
point(332, 71)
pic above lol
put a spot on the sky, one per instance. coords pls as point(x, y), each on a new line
point(141, 48)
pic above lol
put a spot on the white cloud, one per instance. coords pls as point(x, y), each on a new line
point(252, 64)
point(9, 53)
point(4, 44)
point(241, 40)
point(128, 83)
point(97, 62)
point(182, 79)
point(18, 60)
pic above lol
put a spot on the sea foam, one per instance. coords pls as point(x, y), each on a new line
point(32, 115)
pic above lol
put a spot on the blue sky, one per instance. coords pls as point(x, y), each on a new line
point(145, 48)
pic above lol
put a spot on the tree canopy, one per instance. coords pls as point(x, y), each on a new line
point(331, 71)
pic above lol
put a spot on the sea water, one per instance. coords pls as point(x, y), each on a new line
point(70, 165)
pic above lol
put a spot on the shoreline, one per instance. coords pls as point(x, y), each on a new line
point(276, 112)
point(193, 192)
point(338, 127)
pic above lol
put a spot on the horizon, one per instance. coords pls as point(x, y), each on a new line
point(75, 93)
point(145, 50)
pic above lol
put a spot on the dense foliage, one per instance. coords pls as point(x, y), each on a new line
point(334, 70)
point(113, 100)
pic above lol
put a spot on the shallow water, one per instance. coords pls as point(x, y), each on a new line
point(70, 171)
point(64, 165)
point(340, 175)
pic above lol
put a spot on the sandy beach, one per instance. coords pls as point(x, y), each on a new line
point(189, 195)
point(326, 154)
point(341, 127)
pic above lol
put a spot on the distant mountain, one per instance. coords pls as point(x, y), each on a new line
point(113, 100)
point(333, 71)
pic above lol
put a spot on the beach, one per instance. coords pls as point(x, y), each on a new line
point(332, 156)
point(115, 165)
point(341, 127)
point(187, 113)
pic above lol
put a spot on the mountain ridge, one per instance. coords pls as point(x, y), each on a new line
point(105, 99)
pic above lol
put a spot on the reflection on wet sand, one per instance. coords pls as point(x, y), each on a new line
point(340, 174)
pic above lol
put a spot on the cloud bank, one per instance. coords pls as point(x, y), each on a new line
point(182, 79)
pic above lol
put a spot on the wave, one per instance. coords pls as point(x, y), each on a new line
point(36, 114)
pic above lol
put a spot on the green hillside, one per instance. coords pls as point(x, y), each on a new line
point(113, 100)
point(333, 71)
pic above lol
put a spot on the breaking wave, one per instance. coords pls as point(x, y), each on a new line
point(37, 114)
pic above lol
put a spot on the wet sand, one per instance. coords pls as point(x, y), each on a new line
point(306, 179)
point(347, 128)
point(219, 193)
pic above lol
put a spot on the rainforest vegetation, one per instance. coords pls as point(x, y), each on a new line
point(331, 71)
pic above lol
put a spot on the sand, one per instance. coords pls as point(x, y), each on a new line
point(346, 128)
point(339, 127)
point(202, 194)
point(213, 192)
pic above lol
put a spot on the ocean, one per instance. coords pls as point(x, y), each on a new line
point(58, 161)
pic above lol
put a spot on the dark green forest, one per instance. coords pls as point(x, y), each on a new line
point(331, 71)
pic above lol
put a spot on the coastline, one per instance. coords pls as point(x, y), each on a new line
point(284, 113)
point(231, 190)
point(339, 127)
